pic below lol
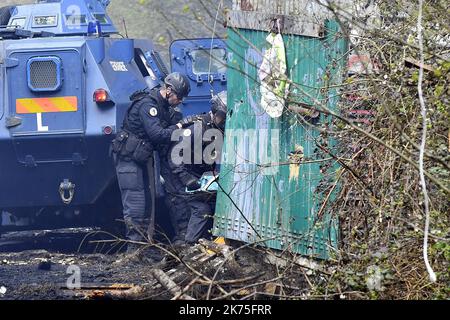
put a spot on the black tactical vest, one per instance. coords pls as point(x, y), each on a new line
point(142, 99)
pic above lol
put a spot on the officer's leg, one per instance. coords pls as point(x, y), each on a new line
point(200, 223)
point(131, 184)
point(179, 211)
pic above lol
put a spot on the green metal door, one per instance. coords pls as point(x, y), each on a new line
point(277, 180)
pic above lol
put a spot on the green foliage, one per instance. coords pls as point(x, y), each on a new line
point(186, 8)
point(382, 225)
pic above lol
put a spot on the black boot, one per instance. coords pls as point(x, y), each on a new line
point(132, 248)
point(150, 255)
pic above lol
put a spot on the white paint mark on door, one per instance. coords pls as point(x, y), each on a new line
point(40, 127)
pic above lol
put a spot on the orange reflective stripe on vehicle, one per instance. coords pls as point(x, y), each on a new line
point(43, 105)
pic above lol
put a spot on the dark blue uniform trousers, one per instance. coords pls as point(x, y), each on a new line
point(179, 211)
point(201, 221)
point(132, 181)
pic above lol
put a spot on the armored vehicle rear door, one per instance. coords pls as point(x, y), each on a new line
point(204, 61)
point(46, 99)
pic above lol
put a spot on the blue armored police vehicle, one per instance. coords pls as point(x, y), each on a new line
point(65, 82)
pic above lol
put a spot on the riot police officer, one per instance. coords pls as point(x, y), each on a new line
point(202, 205)
point(147, 127)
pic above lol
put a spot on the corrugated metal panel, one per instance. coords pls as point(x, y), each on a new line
point(281, 202)
point(265, 22)
point(306, 8)
point(300, 17)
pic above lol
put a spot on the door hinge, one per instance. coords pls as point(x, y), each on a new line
point(13, 121)
point(11, 62)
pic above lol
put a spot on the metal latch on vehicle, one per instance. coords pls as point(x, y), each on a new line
point(66, 191)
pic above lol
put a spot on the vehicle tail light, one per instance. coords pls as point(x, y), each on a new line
point(101, 96)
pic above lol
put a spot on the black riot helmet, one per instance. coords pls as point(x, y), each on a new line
point(179, 84)
point(219, 104)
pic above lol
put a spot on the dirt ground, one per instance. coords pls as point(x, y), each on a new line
point(41, 275)
point(44, 275)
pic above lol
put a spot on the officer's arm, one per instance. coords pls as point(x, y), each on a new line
point(180, 169)
point(155, 131)
point(175, 115)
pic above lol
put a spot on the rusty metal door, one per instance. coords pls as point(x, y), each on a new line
point(277, 179)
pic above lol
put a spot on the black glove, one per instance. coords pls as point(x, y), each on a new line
point(189, 120)
point(175, 114)
point(193, 184)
